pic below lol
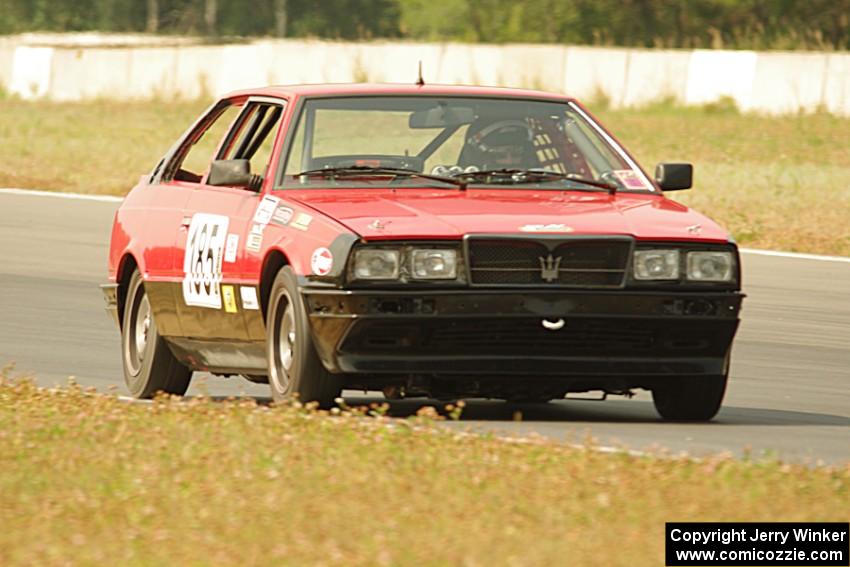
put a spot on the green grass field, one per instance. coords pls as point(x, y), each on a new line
point(87, 479)
point(775, 182)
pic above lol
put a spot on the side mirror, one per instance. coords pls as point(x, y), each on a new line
point(233, 173)
point(674, 176)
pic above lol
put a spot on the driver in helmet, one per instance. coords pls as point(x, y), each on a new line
point(504, 144)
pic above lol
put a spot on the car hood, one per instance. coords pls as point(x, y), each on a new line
point(379, 214)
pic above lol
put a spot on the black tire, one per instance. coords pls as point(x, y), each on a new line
point(691, 398)
point(295, 370)
point(149, 365)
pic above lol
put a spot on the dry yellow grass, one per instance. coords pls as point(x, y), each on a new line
point(87, 479)
point(775, 182)
point(92, 147)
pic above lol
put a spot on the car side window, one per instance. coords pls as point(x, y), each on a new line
point(253, 137)
point(193, 159)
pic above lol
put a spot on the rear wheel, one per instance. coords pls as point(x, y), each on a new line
point(295, 370)
point(691, 399)
point(149, 365)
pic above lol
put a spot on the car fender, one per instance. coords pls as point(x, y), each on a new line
point(299, 244)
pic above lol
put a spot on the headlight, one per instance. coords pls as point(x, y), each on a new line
point(376, 264)
point(656, 265)
point(710, 266)
point(427, 264)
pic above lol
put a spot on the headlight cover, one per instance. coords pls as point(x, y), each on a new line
point(705, 266)
point(433, 264)
point(656, 265)
point(376, 264)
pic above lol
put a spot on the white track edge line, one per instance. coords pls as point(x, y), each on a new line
point(796, 255)
point(60, 195)
point(112, 199)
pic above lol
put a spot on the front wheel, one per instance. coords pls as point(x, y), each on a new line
point(691, 398)
point(295, 370)
point(149, 365)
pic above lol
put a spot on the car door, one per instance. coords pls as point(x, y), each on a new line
point(166, 197)
point(219, 298)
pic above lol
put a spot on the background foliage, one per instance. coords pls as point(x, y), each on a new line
point(746, 24)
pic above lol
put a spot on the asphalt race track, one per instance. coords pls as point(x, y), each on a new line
point(789, 394)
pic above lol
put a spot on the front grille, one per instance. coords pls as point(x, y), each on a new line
point(524, 337)
point(504, 337)
point(574, 262)
point(528, 337)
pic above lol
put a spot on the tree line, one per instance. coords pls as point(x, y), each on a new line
point(737, 24)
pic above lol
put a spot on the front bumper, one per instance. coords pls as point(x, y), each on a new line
point(631, 337)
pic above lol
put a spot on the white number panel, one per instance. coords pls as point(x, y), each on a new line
point(202, 261)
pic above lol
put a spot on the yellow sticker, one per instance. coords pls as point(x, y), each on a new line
point(229, 297)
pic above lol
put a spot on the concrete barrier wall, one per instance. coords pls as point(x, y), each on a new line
point(770, 82)
point(30, 74)
point(721, 74)
point(836, 90)
point(656, 75)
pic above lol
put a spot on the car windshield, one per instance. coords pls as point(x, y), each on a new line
point(362, 141)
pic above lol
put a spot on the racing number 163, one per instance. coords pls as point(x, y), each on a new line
point(202, 260)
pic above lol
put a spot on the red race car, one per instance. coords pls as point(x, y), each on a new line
point(438, 241)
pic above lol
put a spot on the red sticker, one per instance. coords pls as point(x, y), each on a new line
point(629, 179)
point(322, 261)
point(367, 163)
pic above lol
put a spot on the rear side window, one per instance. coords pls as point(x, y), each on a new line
point(254, 136)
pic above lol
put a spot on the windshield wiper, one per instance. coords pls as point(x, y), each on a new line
point(519, 176)
point(357, 170)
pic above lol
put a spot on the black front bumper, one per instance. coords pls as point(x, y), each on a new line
point(631, 337)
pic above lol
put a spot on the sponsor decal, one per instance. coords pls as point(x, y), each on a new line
point(231, 248)
point(629, 179)
point(249, 297)
point(322, 261)
point(265, 210)
point(262, 217)
point(282, 215)
point(545, 228)
point(202, 260)
point(302, 221)
point(255, 238)
point(229, 297)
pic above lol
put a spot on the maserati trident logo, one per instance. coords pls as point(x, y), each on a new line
point(549, 267)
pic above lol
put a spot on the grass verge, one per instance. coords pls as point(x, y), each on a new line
point(88, 479)
point(91, 147)
point(775, 182)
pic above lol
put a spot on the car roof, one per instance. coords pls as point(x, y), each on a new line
point(359, 89)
